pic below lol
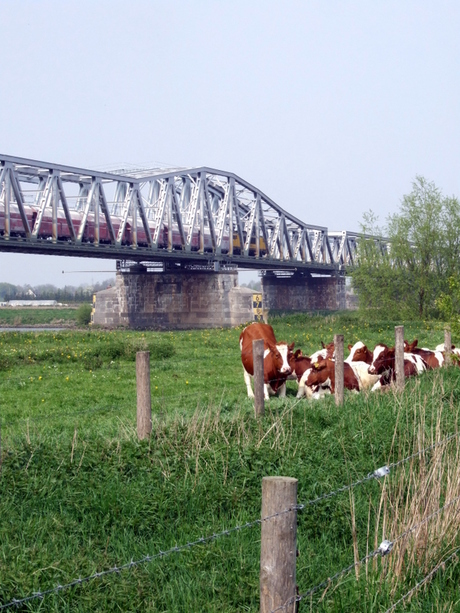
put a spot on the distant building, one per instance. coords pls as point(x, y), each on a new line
point(32, 303)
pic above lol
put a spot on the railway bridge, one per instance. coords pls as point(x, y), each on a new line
point(179, 236)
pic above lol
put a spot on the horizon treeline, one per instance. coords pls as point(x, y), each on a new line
point(68, 293)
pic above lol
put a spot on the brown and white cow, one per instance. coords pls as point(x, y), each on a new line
point(299, 364)
point(276, 359)
point(383, 364)
point(360, 359)
point(432, 359)
point(328, 351)
point(359, 353)
point(455, 352)
point(320, 379)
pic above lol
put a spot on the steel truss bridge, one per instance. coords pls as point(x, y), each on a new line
point(190, 217)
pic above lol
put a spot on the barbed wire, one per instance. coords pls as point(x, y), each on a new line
point(385, 548)
point(426, 519)
point(380, 472)
point(425, 450)
point(423, 581)
point(383, 471)
point(146, 559)
point(326, 582)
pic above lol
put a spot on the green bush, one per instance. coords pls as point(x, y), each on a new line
point(84, 314)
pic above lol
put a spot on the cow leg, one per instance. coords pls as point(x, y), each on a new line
point(268, 391)
point(303, 389)
point(282, 390)
point(247, 380)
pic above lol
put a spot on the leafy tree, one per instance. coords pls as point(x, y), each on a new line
point(8, 291)
point(408, 279)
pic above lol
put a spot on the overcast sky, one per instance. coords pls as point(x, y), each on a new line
point(330, 108)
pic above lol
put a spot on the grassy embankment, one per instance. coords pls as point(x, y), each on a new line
point(79, 494)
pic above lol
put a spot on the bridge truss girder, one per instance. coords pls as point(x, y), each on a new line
point(183, 214)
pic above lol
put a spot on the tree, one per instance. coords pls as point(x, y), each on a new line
point(8, 291)
point(409, 278)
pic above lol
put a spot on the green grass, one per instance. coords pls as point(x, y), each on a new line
point(19, 316)
point(79, 494)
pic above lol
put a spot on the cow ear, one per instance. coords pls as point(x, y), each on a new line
point(298, 353)
point(323, 345)
point(320, 365)
point(291, 346)
point(349, 347)
point(272, 346)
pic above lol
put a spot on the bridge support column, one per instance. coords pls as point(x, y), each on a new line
point(177, 300)
point(303, 292)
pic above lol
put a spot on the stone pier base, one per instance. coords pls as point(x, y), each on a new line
point(173, 301)
point(303, 292)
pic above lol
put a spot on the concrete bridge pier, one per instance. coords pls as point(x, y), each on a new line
point(176, 299)
point(302, 291)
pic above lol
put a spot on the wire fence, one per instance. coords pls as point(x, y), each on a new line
point(384, 549)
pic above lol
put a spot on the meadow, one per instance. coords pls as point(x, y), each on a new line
point(79, 494)
point(36, 316)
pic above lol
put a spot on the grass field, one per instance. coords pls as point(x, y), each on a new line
point(79, 494)
point(37, 316)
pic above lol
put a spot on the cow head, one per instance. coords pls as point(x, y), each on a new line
point(330, 349)
point(320, 363)
point(280, 354)
point(299, 363)
point(359, 353)
point(383, 359)
point(409, 347)
point(319, 376)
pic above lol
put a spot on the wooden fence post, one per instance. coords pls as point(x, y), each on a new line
point(258, 361)
point(278, 545)
point(399, 357)
point(339, 368)
point(447, 347)
point(144, 401)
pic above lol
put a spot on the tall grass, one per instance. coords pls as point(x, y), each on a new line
point(79, 493)
point(422, 502)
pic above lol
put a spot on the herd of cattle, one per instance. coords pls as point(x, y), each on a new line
point(315, 374)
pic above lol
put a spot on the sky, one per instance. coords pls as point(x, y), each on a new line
point(331, 108)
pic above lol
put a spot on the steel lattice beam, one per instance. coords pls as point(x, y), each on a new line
point(182, 214)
